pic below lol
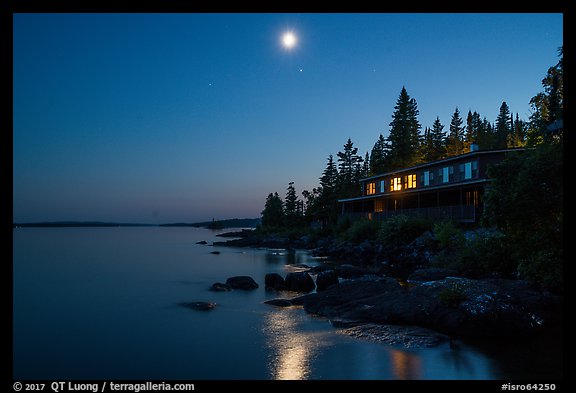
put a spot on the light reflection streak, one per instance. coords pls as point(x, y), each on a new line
point(405, 365)
point(291, 348)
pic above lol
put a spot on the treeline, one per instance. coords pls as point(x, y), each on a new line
point(407, 145)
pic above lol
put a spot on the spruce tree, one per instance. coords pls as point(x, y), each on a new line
point(273, 213)
point(328, 198)
point(472, 126)
point(404, 138)
point(438, 138)
point(378, 157)
point(349, 169)
point(366, 166)
point(503, 127)
point(292, 211)
point(454, 142)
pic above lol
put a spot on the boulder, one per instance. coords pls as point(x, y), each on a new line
point(299, 282)
point(325, 279)
point(215, 252)
point(202, 242)
point(220, 287)
point(200, 306)
point(246, 283)
point(274, 281)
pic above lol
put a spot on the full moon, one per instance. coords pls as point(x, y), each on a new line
point(288, 40)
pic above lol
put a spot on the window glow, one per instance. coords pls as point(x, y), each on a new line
point(371, 190)
point(396, 184)
point(411, 181)
point(427, 178)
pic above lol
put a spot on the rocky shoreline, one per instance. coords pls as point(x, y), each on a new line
point(404, 300)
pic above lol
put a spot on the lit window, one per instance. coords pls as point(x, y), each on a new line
point(396, 184)
point(411, 181)
point(382, 185)
point(445, 174)
point(378, 205)
point(371, 190)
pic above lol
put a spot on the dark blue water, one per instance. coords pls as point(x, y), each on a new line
point(102, 303)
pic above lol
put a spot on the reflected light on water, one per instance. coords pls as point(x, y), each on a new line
point(405, 365)
point(291, 348)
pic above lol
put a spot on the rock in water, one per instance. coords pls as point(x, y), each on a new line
point(200, 306)
point(215, 252)
point(219, 287)
point(299, 282)
point(274, 281)
point(246, 283)
point(202, 242)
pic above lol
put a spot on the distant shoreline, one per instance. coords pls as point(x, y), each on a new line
point(228, 223)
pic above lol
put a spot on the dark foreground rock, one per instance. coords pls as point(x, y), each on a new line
point(326, 279)
point(202, 242)
point(199, 306)
point(431, 274)
point(246, 283)
point(454, 306)
point(299, 282)
point(274, 281)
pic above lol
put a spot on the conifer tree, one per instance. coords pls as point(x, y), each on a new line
point(404, 138)
point(349, 169)
point(273, 213)
point(454, 141)
point(438, 138)
point(378, 157)
point(292, 207)
point(503, 127)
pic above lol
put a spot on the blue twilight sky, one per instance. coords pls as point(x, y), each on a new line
point(185, 117)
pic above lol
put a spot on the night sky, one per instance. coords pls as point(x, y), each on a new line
point(157, 118)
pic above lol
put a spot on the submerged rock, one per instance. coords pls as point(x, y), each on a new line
point(215, 252)
point(279, 302)
point(246, 283)
point(405, 336)
point(200, 306)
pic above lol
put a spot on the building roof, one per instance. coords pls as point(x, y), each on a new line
point(444, 160)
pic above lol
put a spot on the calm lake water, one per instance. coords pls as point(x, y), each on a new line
point(102, 303)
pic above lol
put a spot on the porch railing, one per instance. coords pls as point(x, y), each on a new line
point(463, 213)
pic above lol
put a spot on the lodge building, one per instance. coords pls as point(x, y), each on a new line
point(449, 188)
